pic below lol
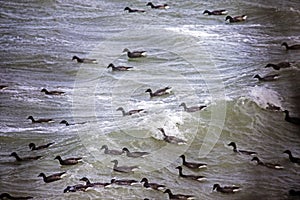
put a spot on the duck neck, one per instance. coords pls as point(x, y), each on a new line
point(180, 172)
point(17, 157)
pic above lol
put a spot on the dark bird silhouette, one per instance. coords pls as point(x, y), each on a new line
point(241, 151)
point(160, 92)
point(94, 184)
point(292, 47)
point(124, 182)
point(52, 178)
point(164, 6)
point(40, 120)
point(236, 18)
point(154, 186)
point(135, 54)
point(118, 68)
point(191, 177)
point(192, 165)
point(131, 112)
point(52, 92)
point(14, 154)
point(84, 60)
point(269, 165)
point(291, 157)
point(215, 12)
point(293, 120)
point(33, 147)
point(68, 161)
point(279, 66)
point(123, 169)
point(75, 188)
point(271, 77)
point(226, 189)
point(294, 192)
point(171, 139)
point(191, 109)
point(178, 196)
point(111, 151)
point(130, 10)
point(135, 154)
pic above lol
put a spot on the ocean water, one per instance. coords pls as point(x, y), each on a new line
point(205, 60)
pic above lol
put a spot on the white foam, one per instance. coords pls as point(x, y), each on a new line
point(263, 96)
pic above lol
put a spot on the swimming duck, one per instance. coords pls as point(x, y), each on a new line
point(269, 165)
point(236, 18)
point(279, 66)
point(123, 181)
point(111, 151)
point(159, 92)
point(241, 151)
point(171, 139)
point(95, 184)
point(133, 10)
point(40, 120)
point(84, 60)
point(2, 87)
point(33, 147)
point(123, 169)
point(293, 120)
point(75, 188)
point(52, 92)
point(135, 54)
point(191, 109)
point(53, 177)
point(192, 177)
point(293, 47)
point(226, 189)
point(291, 157)
point(8, 196)
point(24, 158)
point(65, 122)
point(294, 193)
point(135, 154)
point(271, 77)
point(215, 12)
point(178, 196)
point(118, 68)
point(192, 165)
point(131, 112)
point(68, 161)
point(154, 186)
point(164, 6)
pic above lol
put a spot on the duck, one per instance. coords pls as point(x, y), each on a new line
point(96, 184)
point(191, 109)
point(8, 196)
point(124, 181)
point(294, 192)
point(192, 165)
point(178, 196)
point(236, 18)
point(159, 92)
point(135, 154)
point(233, 144)
point(215, 12)
point(226, 189)
point(271, 77)
point(52, 92)
point(192, 177)
point(279, 66)
point(171, 139)
point(154, 186)
point(123, 169)
point(75, 188)
point(68, 161)
point(84, 60)
point(65, 122)
point(130, 10)
point(2, 87)
point(292, 47)
point(131, 112)
point(111, 151)
point(118, 68)
point(33, 147)
point(163, 6)
point(293, 120)
point(14, 154)
point(135, 54)
point(40, 120)
point(291, 157)
point(269, 165)
point(53, 177)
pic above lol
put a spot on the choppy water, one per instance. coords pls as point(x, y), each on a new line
point(206, 62)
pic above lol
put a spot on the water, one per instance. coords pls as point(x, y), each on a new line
point(206, 62)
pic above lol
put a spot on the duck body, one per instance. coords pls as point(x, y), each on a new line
point(8, 196)
point(226, 189)
point(2, 87)
point(271, 77)
point(135, 54)
point(40, 120)
point(33, 147)
point(171, 139)
point(191, 109)
point(293, 120)
point(84, 60)
point(123, 169)
point(131, 112)
point(160, 92)
point(14, 154)
point(118, 68)
point(236, 18)
point(291, 157)
point(52, 178)
point(191, 177)
point(292, 47)
point(294, 193)
point(178, 196)
point(269, 165)
point(130, 10)
point(279, 66)
point(124, 181)
point(68, 161)
point(216, 12)
point(233, 144)
point(95, 184)
point(154, 186)
point(192, 165)
point(75, 188)
point(111, 151)
point(135, 154)
point(52, 92)
point(164, 6)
